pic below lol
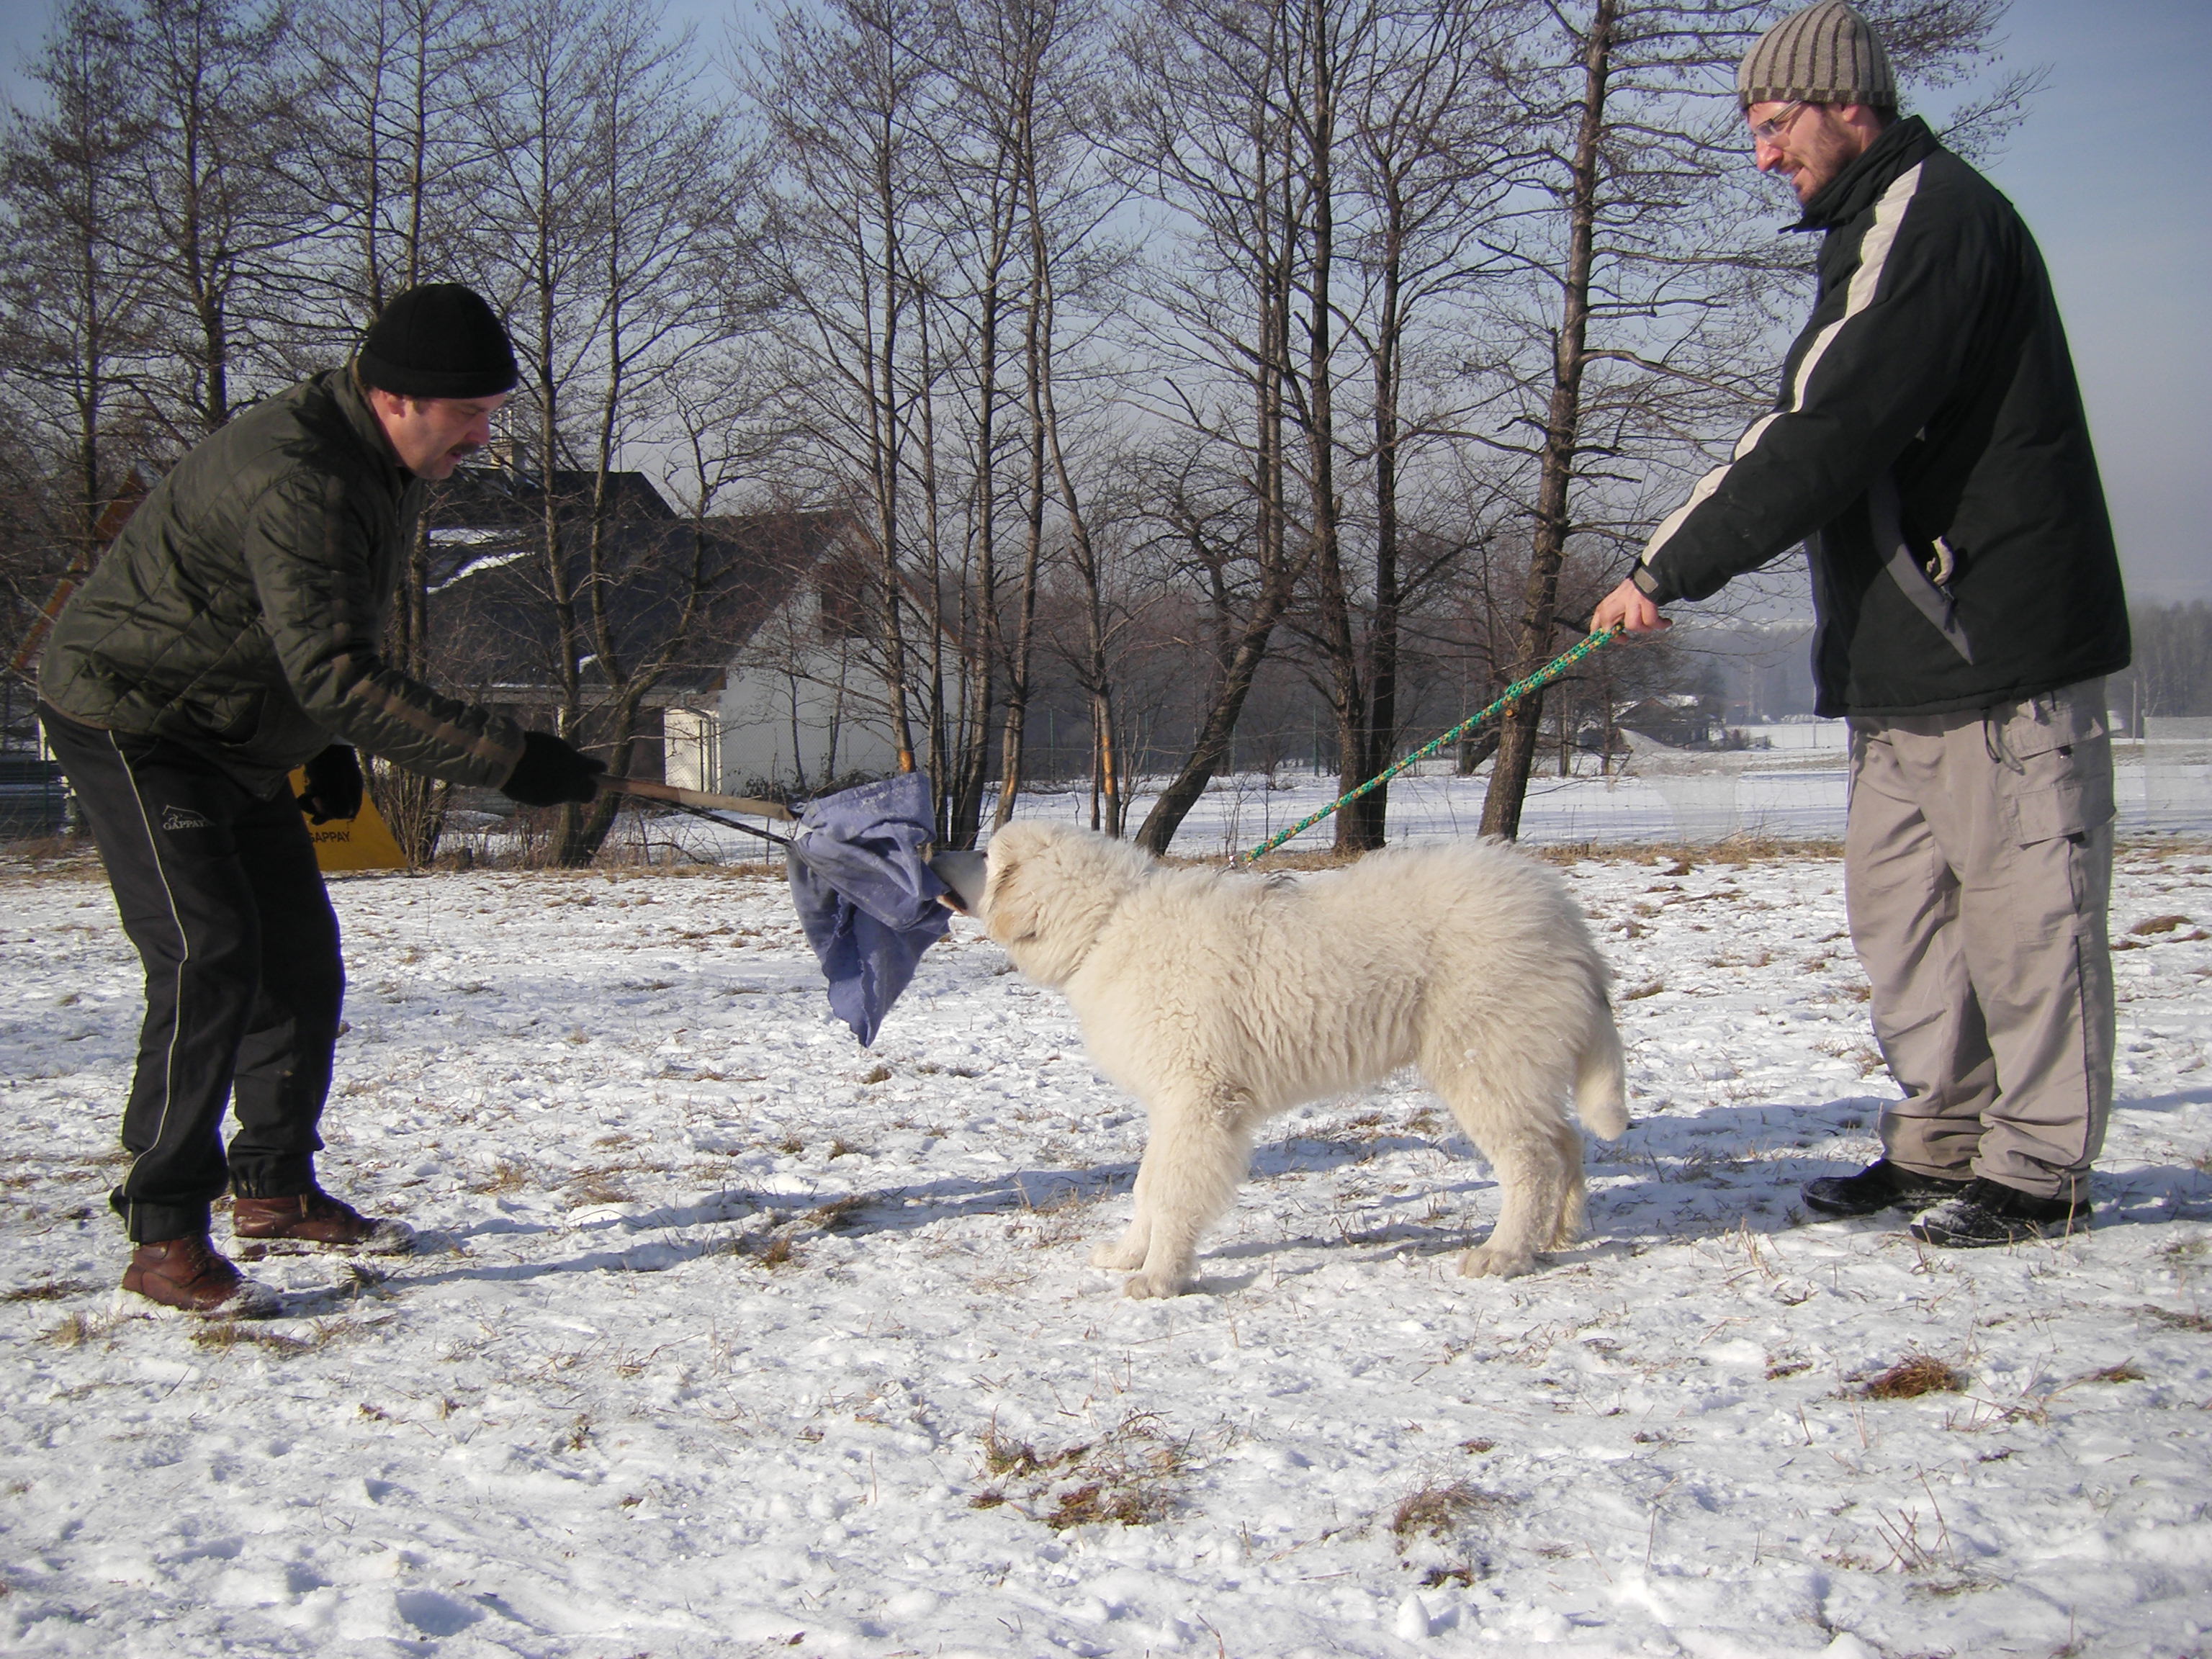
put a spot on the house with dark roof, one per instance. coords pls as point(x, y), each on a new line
point(748, 627)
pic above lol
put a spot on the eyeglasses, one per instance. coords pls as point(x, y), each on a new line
point(1770, 130)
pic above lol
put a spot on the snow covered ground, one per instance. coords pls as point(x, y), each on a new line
point(731, 1338)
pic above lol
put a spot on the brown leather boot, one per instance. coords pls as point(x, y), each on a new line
point(189, 1274)
point(315, 1218)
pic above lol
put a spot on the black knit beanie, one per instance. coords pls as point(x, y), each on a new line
point(440, 340)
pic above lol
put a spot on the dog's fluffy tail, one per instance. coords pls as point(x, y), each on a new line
point(1601, 1077)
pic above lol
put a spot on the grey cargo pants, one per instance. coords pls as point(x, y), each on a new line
point(1977, 866)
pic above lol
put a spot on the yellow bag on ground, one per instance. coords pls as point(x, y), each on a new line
point(359, 843)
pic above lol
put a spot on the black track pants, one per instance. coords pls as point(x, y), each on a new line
point(221, 895)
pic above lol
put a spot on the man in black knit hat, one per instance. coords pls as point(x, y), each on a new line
point(232, 634)
point(1928, 446)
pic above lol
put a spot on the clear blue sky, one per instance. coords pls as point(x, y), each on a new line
point(2111, 170)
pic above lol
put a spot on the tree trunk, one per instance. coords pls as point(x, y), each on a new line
point(1037, 347)
point(413, 806)
point(886, 449)
point(1516, 751)
point(1380, 735)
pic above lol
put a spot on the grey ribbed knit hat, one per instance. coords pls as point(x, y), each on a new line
point(1826, 54)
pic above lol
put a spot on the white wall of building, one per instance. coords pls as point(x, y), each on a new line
point(804, 722)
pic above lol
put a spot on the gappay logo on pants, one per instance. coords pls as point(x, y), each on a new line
point(183, 818)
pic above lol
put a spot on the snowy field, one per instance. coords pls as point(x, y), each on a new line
point(730, 1338)
point(1795, 790)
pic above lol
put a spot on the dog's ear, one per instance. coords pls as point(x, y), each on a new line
point(1009, 914)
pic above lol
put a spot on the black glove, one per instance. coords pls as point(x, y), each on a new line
point(333, 784)
point(550, 772)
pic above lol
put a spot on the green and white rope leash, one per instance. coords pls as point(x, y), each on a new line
point(1513, 694)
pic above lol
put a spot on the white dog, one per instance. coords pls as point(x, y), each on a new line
point(1220, 1000)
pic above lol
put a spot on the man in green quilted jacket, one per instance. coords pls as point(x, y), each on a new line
point(233, 633)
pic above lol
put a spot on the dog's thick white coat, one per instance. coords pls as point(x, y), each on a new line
point(1220, 1000)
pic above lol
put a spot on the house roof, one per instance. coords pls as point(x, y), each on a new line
point(488, 496)
point(492, 620)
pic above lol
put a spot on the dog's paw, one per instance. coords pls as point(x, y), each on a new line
point(1120, 1254)
point(1157, 1283)
point(1485, 1262)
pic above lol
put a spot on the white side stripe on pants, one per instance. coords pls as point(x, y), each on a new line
point(185, 948)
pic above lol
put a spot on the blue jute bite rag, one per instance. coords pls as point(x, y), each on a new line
point(865, 894)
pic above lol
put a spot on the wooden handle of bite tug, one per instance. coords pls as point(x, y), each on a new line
point(668, 792)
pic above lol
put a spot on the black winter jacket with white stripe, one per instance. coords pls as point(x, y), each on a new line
point(1929, 446)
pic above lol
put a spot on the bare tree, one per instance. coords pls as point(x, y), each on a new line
point(667, 227)
point(846, 93)
point(73, 287)
point(403, 144)
point(1032, 75)
point(616, 199)
point(1208, 123)
point(216, 212)
point(1423, 179)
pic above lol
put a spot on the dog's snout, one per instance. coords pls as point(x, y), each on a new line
point(963, 873)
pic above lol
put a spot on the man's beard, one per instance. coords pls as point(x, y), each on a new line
point(1826, 152)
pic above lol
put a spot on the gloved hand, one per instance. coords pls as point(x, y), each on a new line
point(550, 772)
point(333, 784)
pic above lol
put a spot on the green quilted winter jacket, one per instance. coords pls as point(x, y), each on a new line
point(241, 610)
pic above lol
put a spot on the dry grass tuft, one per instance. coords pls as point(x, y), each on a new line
point(1439, 1509)
point(2179, 1322)
point(2159, 925)
point(1275, 863)
point(1736, 851)
point(2125, 1371)
point(1062, 1217)
point(771, 1250)
point(1129, 1476)
point(226, 1335)
point(837, 1214)
point(507, 1175)
point(1095, 1504)
point(1003, 1455)
point(75, 1330)
point(779, 1244)
point(1913, 1376)
point(55, 1290)
point(599, 1187)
